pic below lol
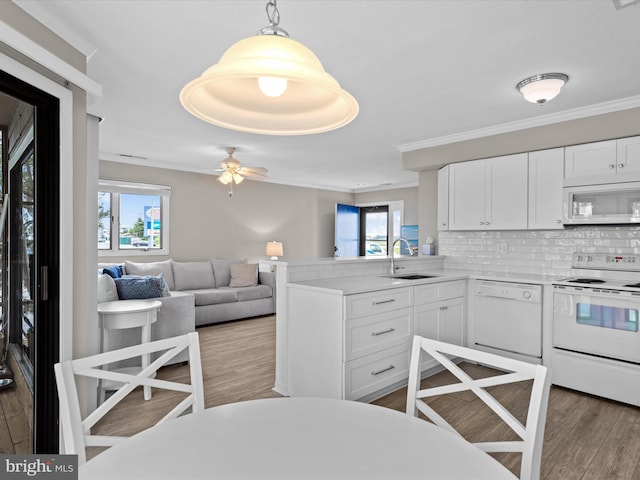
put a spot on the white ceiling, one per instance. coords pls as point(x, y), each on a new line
point(420, 70)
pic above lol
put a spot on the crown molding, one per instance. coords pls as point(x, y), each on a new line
point(539, 121)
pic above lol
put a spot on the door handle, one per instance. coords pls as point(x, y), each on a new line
point(44, 283)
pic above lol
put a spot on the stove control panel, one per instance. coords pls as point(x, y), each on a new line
point(606, 261)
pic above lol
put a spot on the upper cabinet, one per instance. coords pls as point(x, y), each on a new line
point(545, 189)
point(610, 161)
point(489, 194)
point(443, 198)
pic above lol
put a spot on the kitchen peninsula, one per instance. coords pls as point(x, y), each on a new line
point(343, 326)
point(329, 281)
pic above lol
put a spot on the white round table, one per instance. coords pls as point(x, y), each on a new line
point(294, 438)
point(128, 314)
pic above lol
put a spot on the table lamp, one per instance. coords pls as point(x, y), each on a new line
point(274, 250)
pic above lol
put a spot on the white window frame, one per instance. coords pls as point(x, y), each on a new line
point(116, 187)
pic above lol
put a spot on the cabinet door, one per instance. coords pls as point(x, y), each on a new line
point(442, 321)
point(451, 322)
point(629, 157)
point(590, 161)
point(425, 320)
point(467, 195)
point(506, 192)
point(545, 189)
point(443, 198)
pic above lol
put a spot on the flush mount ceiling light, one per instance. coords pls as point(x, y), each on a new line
point(542, 88)
point(269, 84)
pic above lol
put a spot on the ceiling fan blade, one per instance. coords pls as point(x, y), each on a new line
point(258, 170)
point(254, 174)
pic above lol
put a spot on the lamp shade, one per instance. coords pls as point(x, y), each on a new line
point(274, 250)
point(269, 84)
point(542, 88)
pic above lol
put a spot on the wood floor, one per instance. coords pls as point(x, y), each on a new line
point(586, 438)
point(16, 404)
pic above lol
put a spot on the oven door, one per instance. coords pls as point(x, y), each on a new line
point(604, 324)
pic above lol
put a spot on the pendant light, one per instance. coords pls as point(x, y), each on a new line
point(542, 88)
point(271, 85)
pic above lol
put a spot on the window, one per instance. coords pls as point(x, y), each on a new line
point(133, 218)
point(374, 230)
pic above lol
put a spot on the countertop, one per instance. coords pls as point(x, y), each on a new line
point(349, 285)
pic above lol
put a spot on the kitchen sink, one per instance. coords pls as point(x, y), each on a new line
point(412, 276)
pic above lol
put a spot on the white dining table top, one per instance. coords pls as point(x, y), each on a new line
point(294, 438)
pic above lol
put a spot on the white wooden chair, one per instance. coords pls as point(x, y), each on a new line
point(76, 431)
point(531, 435)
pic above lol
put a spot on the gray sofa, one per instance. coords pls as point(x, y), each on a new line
point(201, 294)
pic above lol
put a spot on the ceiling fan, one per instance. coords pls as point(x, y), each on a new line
point(232, 173)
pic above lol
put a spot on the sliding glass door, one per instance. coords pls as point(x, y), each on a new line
point(31, 301)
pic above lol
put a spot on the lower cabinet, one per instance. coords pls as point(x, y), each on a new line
point(439, 314)
point(368, 375)
point(357, 347)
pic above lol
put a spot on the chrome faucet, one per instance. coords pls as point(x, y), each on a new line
point(393, 245)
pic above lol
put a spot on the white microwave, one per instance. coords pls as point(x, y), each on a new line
point(613, 203)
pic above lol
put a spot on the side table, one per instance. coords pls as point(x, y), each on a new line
point(128, 314)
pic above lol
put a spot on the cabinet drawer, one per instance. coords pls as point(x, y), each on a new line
point(371, 334)
point(378, 302)
point(434, 292)
point(375, 372)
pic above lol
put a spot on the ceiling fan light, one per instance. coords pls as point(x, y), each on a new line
point(230, 94)
point(226, 177)
point(237, 178)
point(542, 88)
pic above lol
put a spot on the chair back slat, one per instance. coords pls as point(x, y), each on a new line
point(76, 430)
point(530, 435)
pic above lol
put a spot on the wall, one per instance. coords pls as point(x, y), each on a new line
point(533, 251)
point(428, 206)
point(206, 222)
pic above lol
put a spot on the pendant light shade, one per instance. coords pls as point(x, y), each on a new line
point(272, 85)
point(542, 88)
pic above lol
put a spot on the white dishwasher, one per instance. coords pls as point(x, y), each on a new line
point(507, 319)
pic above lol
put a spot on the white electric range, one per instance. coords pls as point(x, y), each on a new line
point(596, 339)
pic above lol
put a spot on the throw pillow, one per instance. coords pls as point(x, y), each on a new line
point(107, 291)
point(134, 288)
point(163, 288)
point(113, 272)
point(222, 271)
point(162, 285)
point(244, 275)
point(151, 268)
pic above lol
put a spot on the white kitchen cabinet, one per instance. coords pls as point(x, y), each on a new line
point(489, 194)
point(628, 156)
point(546, 172)
point(467, 191)
point(443, 198)
point(357, 346)
point(602, 162)
point(439, 313)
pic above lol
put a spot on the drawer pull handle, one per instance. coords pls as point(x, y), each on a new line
point(375, 334)
point(384, 301)
point(390, 367)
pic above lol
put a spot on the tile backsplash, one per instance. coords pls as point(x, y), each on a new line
point(547, 252)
